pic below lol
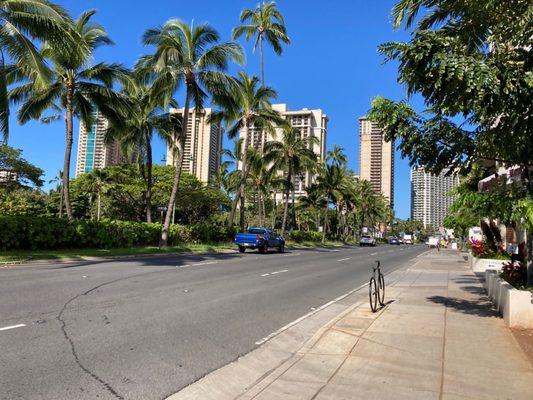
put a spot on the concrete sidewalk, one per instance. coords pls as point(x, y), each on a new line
point(438, 338)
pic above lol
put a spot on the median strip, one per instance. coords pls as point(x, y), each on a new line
point(6, 328)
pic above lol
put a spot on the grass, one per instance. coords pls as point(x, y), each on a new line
point(20, 256)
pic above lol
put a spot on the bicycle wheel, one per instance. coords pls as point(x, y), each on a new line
point(373, 294)
point(381, 287)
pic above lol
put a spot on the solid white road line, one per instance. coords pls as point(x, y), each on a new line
point(6, 328)
point(344, 259)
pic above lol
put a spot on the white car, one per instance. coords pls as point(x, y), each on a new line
point(367, 240)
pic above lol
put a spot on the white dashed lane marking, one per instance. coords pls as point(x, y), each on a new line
point(197, 264)
point(344, 259)
point(6, 328)
point(275, 272)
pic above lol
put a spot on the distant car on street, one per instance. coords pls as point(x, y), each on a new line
point(367, 240)
point(407, 239)
point(259, 238)
point(394, 240)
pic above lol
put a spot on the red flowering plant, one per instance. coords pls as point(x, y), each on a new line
point(515, 273)
point(479, 249)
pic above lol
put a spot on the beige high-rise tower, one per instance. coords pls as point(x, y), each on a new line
point(93, 152)
point(376, 159)
point(308, 123)
point(203, 145)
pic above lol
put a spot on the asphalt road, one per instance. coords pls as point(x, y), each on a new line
point(145, 328)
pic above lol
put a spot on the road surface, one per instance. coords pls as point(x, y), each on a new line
point(144, 328)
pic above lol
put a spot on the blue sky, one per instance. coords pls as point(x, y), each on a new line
point(331, 64)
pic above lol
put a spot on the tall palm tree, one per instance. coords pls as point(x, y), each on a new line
point(260, 176)
point(292, 154)
point(329, 182)
point(265, 24)
point(337, 156)
point(243, 107)
point(76, 88)
point(145, 115)
point(193, 56)
point(21, 21)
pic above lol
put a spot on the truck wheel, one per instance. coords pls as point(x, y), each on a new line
point(281, 248)
point(242, 249)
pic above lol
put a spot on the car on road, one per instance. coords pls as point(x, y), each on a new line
point(394, 240)
point(259, 238)
point(407, 239)
point(367, 240)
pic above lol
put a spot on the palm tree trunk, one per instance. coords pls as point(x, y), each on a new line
point(260, 206)
point(68, 151)
point(287, 194)
point(242, 217)
point(98, 206)
point(148, 194)
point(177, 176)
point(325, 228)
point(274, 210)
point(244, 175)
point(261, 54)
point(61, 199)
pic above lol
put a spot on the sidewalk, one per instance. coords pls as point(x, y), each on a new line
point(438, 338)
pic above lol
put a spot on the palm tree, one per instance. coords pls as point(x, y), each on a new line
point(329, 182)
point(145, 115)
point(21, 21)
point(76, 89)
point(195, 57)
point(243, 107)
point(59, 179)
point(264, 23)
point(260, 176)
point(293, 154)
point(99, 184)
point(337, 156)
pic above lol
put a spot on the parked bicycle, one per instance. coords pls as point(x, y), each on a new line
point(376, 288)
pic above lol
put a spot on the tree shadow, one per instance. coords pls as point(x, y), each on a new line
point(480, 307)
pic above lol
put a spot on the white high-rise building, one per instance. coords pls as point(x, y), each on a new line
point(308, 123)
point(430, 196)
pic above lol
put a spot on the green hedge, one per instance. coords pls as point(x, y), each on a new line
point(304, 236)
point(36, 233)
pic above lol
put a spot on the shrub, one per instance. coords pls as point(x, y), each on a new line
point(304, 236)
point(32, 233)
point(515, 273)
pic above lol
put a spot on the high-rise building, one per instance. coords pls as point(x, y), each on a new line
point(93, 152)
point(203, 145)
point(309, 123)
point(430, 196)
point(376, 159)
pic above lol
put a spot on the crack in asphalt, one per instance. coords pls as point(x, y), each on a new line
point(73, 350)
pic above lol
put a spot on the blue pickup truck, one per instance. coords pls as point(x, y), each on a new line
point(259, 238)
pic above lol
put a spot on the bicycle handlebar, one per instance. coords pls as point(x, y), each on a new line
point(378, 263)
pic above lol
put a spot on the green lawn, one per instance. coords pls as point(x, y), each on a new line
point(19, 256)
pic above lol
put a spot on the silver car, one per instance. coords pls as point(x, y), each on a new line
point(367, 241)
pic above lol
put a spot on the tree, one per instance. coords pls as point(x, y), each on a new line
point(21, 22)
point(337, 156)
point(329, 182)
point(146, 114)
point(260, 176)
point(471, 62)
point(292, 154)
point(265, 23)
point(192, 56)
point(17, 171)
point(243, 107)
point(76, 88)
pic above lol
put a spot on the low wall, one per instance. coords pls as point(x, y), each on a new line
point(516, 306)
point(482, 264)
